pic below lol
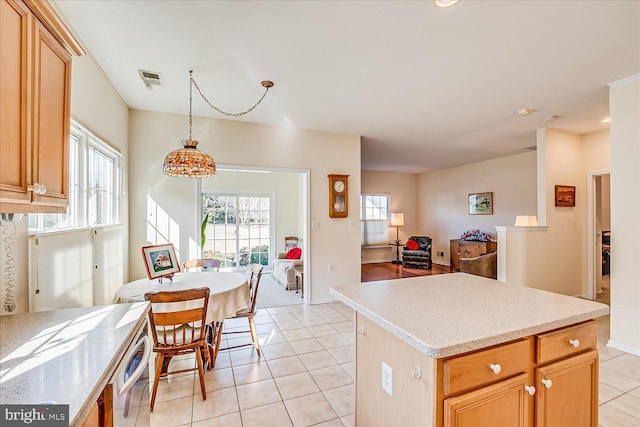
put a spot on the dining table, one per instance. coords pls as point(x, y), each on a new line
point(228, 294)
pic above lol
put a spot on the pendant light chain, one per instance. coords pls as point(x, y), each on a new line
point(266, 84)
point(190, 101)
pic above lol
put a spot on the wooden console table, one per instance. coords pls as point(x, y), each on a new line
point(468, 249)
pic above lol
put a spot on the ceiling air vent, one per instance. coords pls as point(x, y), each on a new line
point(151, 78)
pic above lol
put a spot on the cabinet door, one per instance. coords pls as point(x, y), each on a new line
point(571, 398)
point(412, 403)
point(15, 23)
point(503, 404)
point(52, 79)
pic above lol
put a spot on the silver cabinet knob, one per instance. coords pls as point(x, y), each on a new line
point(361, 330)
point(575, 343)
point(547, 383)
point(530, 389)
point(496, 368)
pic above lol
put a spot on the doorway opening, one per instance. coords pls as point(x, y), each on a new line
point(599, 236)
point(251, 211)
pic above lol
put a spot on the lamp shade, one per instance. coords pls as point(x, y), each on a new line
point(397, 219)
point(526, 221)
point(189, 162)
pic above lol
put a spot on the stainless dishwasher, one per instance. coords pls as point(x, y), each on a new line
point(128, 383)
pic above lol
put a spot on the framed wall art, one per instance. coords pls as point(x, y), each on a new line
point(160, 261)
point(565, 196)
point(481, 203)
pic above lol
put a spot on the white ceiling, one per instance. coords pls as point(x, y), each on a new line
point(427, 88)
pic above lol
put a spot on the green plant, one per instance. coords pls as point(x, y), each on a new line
point(203, 232)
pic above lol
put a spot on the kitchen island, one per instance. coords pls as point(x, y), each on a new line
point(465, 350)
point(65, 356)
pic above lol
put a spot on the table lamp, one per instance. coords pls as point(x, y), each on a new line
point(397, 221)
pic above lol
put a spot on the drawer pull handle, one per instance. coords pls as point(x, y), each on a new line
point(547, 383)
point(530, 389)
point(361, 330)
point(496, 368)
point(417, 374)
point(575, 343)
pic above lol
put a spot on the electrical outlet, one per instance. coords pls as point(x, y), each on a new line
point(440, 253)
point(387, 379)
point(331, 268)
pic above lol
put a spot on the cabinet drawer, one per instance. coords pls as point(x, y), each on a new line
point(475, 369)
point(565, 342)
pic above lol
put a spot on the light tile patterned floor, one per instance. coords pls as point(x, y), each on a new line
point(306, 377)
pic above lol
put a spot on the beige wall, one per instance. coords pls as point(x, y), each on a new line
point(563, 159)
point(403, 190)
point(443, 198)
point(624, 104)
point(97, 106)
point(333, 241)
point(287, 190)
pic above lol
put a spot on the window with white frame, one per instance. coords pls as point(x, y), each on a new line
point(374, 219)
point(94, 186)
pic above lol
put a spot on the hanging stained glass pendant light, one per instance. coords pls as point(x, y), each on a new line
point(189, 162)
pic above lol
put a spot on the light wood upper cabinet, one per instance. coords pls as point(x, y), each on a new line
point(35, 61)
point(16, 22)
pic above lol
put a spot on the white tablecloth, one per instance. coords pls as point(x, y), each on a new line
point(229, 292)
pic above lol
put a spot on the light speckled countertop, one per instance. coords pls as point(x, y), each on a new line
point(449, 314)
point(66, 356)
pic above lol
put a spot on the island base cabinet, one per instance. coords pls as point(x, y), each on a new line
point(569, 394)
point(503, 404)
point(412, 403)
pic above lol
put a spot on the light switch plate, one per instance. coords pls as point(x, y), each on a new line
point(387, 379)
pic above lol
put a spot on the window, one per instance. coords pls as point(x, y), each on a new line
point(94, 186)
point(238, 232)
point(374, 219)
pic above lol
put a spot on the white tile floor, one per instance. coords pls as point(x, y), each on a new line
point(306, 377)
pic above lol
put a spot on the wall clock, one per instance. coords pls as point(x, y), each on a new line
point(338, 196)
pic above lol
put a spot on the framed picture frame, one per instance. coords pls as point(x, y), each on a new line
point(565, 196)
point(481, 203)
point(160, 261)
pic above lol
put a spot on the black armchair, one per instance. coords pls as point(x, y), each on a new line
point(418, 258)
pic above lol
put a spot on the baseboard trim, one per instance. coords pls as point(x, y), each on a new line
point(623, 347)
point(446, 264)
point(323, 300)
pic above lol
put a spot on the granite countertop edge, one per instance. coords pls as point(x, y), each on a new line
point(467, 346)
point(86, 407)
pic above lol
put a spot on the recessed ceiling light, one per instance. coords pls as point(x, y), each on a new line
point(549, 118)
point(607, 120)
point(445, 3)
point(525, 111)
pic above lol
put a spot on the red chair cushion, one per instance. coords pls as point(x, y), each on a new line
point(412, 245)
point(294, 253)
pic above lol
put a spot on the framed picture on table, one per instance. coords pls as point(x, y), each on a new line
point(160, 261)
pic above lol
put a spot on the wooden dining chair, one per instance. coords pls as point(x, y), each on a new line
point(200, 263)
point(249, 312)
point(177, 321)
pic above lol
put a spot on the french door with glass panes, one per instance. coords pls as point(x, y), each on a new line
point(238, 229)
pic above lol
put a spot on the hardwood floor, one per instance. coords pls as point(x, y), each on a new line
point(387, 271)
